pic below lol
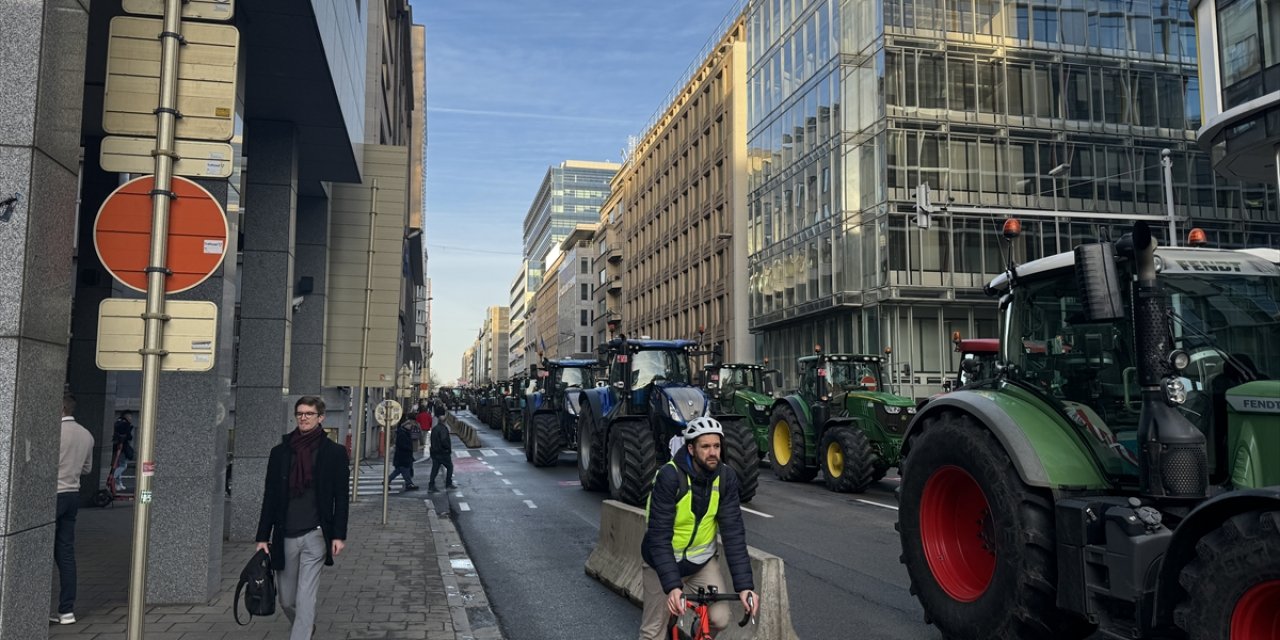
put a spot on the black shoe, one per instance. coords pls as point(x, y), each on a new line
point(451, 486)
point(412, 487)
point(431, 488)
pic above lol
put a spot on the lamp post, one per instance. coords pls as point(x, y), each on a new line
point(1059, 170)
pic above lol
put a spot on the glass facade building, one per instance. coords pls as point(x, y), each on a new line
point(1000, 103)
point(570, 194)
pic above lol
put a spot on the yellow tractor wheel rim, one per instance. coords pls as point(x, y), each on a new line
point(782, 443)
point(835, 459)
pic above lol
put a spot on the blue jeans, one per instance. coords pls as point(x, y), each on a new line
point(64, 549)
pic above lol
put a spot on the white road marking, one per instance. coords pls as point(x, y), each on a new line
point(876, 504)
point(506, 481)
point(759, 513)
point(531, 504)
point(462, 506)
point(462, 454)
point(489, 452)
point(517, 492)
point(515, 452)
point(496, 472)
point(458, 494)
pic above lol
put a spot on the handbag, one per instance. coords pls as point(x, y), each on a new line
point(258, 582)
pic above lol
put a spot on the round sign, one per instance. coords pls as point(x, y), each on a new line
point(197, 234)
point(387, 413)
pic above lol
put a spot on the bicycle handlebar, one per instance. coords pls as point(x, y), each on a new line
point(704, 598)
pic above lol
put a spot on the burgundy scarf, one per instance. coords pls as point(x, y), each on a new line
point(304, 447)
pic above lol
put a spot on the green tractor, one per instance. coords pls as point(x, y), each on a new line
point(842, 420)
point(744, 390)
point(512, 418)
point(1121, 473)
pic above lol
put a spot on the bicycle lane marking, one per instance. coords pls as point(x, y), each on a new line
point(759, 513)
point(876, 504)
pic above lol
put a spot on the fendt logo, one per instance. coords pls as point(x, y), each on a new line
point(1260, 404)
point(1213, 266)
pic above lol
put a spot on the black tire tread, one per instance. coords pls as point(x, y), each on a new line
point(1242, 552)
point(592, 477)
point(859, 460)
point(796, 470)
point(545, 439)
point(741, 452)
point(639, 461)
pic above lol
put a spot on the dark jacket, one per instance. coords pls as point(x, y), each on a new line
point(404, 446)
point(656, 547)
point(441, 444)
point(122, 432)
point(332, 490)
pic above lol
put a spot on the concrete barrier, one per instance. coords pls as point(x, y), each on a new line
point(465, 432)
point(616, 563)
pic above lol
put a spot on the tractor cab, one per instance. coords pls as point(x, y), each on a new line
point(841, 384)
point(643, 372)
point(978, 357)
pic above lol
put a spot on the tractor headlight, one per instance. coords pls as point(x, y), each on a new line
point(893, 411)
point(674, 411)
point(911, 410)
point(1174, 391)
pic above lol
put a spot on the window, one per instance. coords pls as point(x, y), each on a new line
point(1238, 35)
point(584, 291)
point(584, 266)
point(584, 343)
point(584, 317)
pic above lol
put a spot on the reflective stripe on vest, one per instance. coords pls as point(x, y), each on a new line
point(690, 540)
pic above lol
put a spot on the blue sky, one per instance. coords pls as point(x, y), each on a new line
point(513, 87)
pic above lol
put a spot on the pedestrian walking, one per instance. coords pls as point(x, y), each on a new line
point(425, 422)
point(303, 523)
point(403, 457)
point(441, 456)
point(75, 458)
point(121, 448)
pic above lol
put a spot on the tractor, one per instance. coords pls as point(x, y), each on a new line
point(841, 420)
point(745, 390)
point(1120, 476)
point(978, 359)
point(625, 427)
point(512, 418)
point(552, 411)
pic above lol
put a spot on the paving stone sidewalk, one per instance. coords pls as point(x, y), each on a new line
point(387, 584)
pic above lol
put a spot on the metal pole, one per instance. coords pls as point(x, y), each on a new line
point(1166, 162)
point(153, 318)
point(364, 345)
point(386, 466)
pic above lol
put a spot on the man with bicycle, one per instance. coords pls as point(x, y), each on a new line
point(694, 498)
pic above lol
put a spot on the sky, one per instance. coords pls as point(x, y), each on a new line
point(514, 87)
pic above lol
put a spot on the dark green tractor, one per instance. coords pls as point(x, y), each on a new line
point(842, 421)
point(513, 409)
point(743, 390)
point(551, 410)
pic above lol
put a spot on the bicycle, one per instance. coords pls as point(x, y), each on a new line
point(700, 605)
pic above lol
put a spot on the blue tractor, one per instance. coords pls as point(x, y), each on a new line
point(625, 426)
point(551, 413)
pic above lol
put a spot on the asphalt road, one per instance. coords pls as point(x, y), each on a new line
point(529, 531)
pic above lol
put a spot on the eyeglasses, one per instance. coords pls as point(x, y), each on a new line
point(305, 414)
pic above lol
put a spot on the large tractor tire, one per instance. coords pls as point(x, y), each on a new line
point(977, 542)
point(528, 438)
point(740, 452)
point(544, 441)
point(632, 461)
point(847, 460)
point(786, 447)
point(591, 458)
point(513, 427)
point(1233, 585)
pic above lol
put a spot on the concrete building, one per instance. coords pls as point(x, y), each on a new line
point(521, 297)
point(468, 369)
point(304, 122)
point(544, 315)
point(1034, 107)
point(570, 194)
point(574, 292)
point(494, 345)
point(682, 211)
point(608, 268)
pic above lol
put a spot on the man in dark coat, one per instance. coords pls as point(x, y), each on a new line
point(303, 523)
point(402, 459)
point(441, 456)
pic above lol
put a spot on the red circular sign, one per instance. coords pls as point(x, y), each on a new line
point(197, 234)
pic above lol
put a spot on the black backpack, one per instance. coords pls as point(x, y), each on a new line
point(259, 585)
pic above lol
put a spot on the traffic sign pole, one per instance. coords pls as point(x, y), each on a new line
point(153, 318)
point(364, 345)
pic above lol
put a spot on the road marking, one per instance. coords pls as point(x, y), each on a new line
point(496, 472)
point(458, 494)
point(531, 504)
point(759, 513)
point(570, 483)
point(515, 452)
point(462, 454)
point(462, 506)
point(894, 479)
point(876, 504)
point(489, 452)
point(517, 492)
point(506, 481)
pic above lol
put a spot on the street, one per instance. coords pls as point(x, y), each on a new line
point(529, 531)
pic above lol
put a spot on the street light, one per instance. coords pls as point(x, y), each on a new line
point(1059, 170)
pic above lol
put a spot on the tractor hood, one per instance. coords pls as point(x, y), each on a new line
point(763, 400)
point(683, 402)
point(879, 397)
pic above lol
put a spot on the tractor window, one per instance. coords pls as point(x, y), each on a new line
point(653, 364)
point(853, 376)
point(573, 377)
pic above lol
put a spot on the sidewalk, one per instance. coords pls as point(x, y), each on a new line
point(388, 583)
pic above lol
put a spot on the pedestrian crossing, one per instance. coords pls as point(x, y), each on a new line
point(492, 452)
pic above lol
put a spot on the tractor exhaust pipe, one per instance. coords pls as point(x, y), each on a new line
point(1173, 456)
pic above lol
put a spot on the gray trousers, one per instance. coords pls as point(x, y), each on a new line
point(654, 616)
point(298, 583)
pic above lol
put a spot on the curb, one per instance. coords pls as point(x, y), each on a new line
point(468, 602)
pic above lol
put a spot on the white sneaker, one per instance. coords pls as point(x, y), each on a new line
point(120, 486)
point(63, 618)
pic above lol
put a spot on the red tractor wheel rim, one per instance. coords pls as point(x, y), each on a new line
point(1257, 613)
point(956, 531)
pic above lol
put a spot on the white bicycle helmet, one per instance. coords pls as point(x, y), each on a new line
point(701, 426)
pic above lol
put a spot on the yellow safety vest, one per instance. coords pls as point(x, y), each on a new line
point(692, 539)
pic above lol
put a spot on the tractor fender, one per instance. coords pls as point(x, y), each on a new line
point(799, 408)
point(1044, 453)
point(591, 401)
point(1202, 520)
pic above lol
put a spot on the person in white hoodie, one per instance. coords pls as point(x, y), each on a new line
point(75, 458)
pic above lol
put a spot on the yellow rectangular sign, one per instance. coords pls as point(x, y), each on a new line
point(123, 154)
point(206, 79)
point(190, 335)
point(193, 9)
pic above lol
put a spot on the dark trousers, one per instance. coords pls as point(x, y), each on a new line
point(64, 549)
point(406, 471)
point(436, 463)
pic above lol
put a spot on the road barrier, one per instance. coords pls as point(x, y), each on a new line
point(616, 563)
point(465, 432)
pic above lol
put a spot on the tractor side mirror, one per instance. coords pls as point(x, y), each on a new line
point(619, 385)
point(1099, 282)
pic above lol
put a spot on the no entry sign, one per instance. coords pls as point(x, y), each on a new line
point(197, 234)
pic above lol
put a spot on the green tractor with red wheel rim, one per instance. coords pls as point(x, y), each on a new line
point(841, 420)
point(1120, 476)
